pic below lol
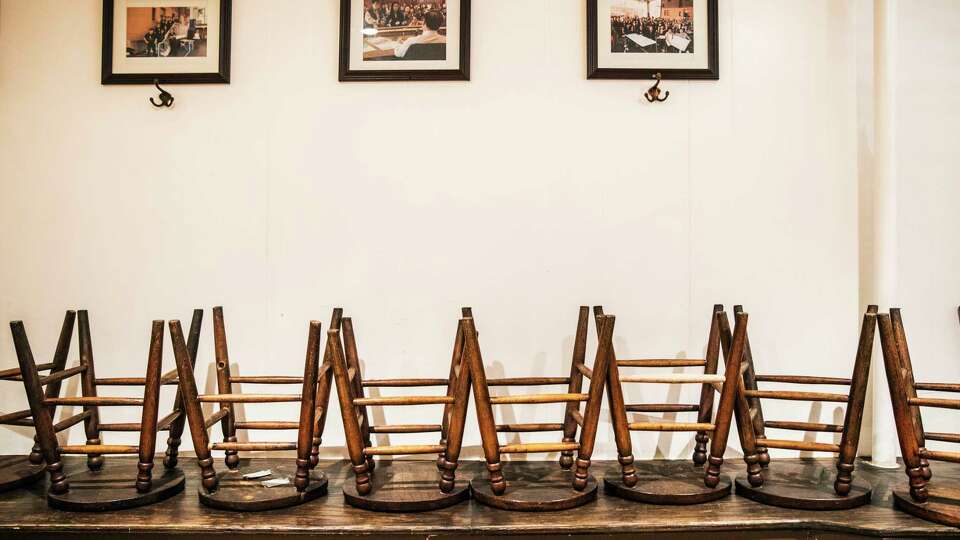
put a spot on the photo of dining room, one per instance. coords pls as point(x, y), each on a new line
point(651, 26)
point(165, 31)
point(404, 30)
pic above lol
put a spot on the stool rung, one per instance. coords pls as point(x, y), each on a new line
point(538, 398)
point(577, 417)
point(798, 445)
point(528, 428)
point(663, 407)
point(400, 450)
point(70, 422)
point(404, 400)
point(585, 371)
point(944, 437)
point(98, 449)
point(670, 426)
point(797, 396)
point(663, 362)
point(532, 448)
point(96, 400)
point(803, 379)
point(215, 417)
point(804, 426)
point(249, 398)
point(528, 381)
point(14, 416)
point(264, 379)
point(406, 428)
point(61, 375)
point(938, 387)
point(674, 378)
point(935, 402)
point(953, 457)
point(254, 446)
point(403, 383)
point(267, 425)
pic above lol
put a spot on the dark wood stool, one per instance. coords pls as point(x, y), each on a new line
point(18, 471)
point(561, 489)
point(230, 490)
point(803, 485)
point(121, 486)
point(662, 482)
point(399, 486)
point(940, 501)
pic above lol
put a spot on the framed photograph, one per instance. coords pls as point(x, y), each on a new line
point(403, 40)
point(175, 41)
point(636, 39)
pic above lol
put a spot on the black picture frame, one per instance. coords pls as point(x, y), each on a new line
point(711, 72)
point(462, 73)
point(221, 76)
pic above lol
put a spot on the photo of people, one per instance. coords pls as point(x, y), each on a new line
point(175, 32)
point(404, 30)
point(651, 26)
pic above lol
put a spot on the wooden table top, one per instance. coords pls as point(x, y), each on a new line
point(24, 513)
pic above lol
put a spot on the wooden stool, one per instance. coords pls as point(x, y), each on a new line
point(803, 486)
point(18, 471)
point(560, 490)
point(399, 486)
point(124, 485)
point(660, 482)
point(940, 501)
point(230, 490)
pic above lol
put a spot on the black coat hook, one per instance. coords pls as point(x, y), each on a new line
point(653, 94)
point(166, 98)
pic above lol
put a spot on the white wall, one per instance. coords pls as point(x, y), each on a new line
point(928, 195)
point(524, 193)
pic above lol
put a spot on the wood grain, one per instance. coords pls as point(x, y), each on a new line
point(23, 514)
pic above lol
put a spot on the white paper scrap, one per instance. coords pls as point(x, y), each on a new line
point(275, 482)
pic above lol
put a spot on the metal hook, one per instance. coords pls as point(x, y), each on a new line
point(653, 94)
point(166, 98)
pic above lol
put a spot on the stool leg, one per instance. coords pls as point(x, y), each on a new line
point(308, 408)
point(348, 412)
point(191, 406)
point(151, 405)
point(481, 395)
point(854, 414)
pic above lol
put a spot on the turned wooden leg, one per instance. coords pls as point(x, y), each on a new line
point(88, 388)
point(458, 387)
point(228, 423)
point(481, 396)
point(733, 381)
point(192, 409)
point(36, 457)
point(591, 414)
point(171, 456)
point(575, 386)
point(705, 412)
point(151, 407)
point(308, 408)
point(907, 427)
point(42, 421)
point(348, 413)
point(700, 449)
point(918, 484)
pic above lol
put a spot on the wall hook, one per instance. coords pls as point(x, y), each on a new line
point(653, 94)
point(166, 98)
